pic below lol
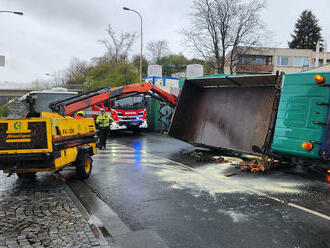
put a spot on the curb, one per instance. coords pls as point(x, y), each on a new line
point(92, 221)
point(116, 232)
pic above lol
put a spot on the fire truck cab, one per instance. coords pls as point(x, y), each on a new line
point(128, 113)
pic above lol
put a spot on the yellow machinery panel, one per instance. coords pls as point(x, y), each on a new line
point(25, 136)
point(68, 126)
point(67, 156)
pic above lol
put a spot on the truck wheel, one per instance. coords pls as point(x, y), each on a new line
point(84, 166)
point(136, 130)
point(29, 175)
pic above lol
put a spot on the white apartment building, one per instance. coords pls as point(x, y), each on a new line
point(266, 60)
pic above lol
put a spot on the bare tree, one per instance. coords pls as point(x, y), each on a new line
point(221, 25)
point(157, 50)
point(117, 46)
point(76, 67)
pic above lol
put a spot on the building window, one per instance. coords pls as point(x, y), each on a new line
point(260, 60)
point(245, 60)
point(253, 60)
point(283, 60)
point(300, 61)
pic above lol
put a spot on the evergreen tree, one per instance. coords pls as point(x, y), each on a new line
point(307, 32)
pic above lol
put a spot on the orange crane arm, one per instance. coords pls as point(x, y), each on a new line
point(88, 99)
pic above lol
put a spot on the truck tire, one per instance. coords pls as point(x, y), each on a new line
point(136, 130)
point(84, 166)
point(29, 175)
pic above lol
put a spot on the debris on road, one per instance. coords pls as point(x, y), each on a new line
point(219, 159)
point(231, 174)
point(204, 156)
point(258, 165)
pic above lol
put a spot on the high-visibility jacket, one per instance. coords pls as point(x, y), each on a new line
point(104, 120)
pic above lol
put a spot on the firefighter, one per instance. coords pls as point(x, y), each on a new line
point(79, 115)
point(103, 121)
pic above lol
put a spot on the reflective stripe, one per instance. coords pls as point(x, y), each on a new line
point(104, 119)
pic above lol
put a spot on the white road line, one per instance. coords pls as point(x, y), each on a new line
point(309, 211)
point(323, 216)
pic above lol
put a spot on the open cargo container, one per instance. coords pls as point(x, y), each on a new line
point(257, 114)
point(232, 113)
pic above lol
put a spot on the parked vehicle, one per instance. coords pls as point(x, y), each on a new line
point(36, 140)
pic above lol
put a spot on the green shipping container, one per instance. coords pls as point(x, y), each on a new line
point(158, 115)
point(153, 115)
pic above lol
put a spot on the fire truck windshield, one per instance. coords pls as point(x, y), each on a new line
point(132, 102)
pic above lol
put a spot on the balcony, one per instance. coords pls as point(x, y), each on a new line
point(254, 68)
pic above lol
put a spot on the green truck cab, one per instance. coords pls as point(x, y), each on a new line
point(302, 124)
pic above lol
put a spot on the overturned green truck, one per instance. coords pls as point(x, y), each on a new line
point(285, 115)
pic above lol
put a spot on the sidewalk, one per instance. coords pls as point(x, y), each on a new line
point(40, 213)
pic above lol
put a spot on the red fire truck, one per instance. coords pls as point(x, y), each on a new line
point(127, 104)
point(128, 113)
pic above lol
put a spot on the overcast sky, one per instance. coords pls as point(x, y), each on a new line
point(51, 32)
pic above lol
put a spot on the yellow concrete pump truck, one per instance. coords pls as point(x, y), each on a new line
point(37, 140)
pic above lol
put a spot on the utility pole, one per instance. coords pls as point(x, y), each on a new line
point(125, 8)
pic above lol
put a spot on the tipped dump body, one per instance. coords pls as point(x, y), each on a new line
point(228, 112)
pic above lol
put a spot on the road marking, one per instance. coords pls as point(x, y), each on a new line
point(165, 159)
point(323, 216)
point(309, 211)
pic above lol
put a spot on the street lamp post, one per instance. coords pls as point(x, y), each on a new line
point(54, 76)
point(12, 12)
point(125, 8)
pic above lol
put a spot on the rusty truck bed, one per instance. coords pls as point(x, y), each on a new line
point(229, 112)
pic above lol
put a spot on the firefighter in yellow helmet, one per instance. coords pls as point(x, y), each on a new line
point(79, 115)
point(103, 121)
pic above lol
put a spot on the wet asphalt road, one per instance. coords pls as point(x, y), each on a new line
point(191, 204)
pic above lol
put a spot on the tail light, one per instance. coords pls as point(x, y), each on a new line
point(307, 146)
point(319, 79)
